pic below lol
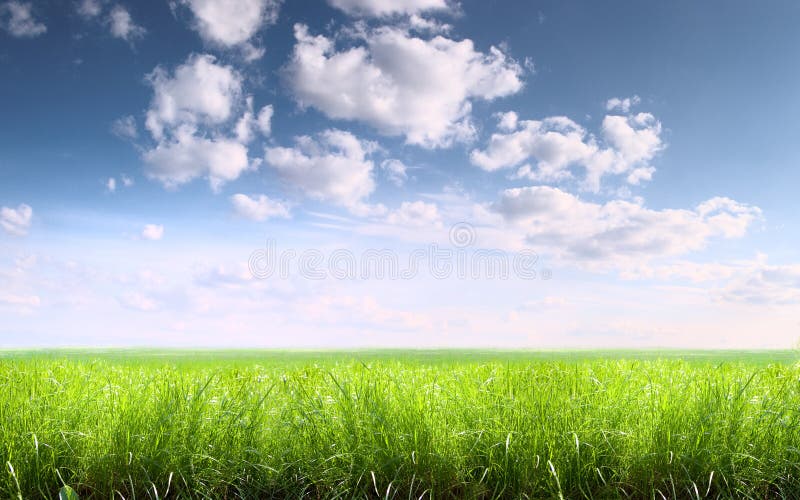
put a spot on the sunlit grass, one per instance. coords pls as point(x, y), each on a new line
point(447, 424)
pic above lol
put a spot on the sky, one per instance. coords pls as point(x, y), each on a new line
point(399, 173)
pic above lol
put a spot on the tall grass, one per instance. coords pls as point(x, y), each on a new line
point(449, 425)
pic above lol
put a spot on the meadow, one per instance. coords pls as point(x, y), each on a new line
point(149, 424)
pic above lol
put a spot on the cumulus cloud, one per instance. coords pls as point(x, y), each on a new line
point(188, 114)
point(17, 18)
point(259, 208)
point(559, 222)
point(122, 26)
point(16, 221)
point(333, 167)
point(111, 185)
point(383, 8)
point(557, 144)
point(395, 171)
point(153, 232)
point(229, 23)
point(199, 91)
point(188, 156)
point(624, 105)
point(400, 84)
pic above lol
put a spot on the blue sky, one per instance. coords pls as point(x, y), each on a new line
point(644, 151)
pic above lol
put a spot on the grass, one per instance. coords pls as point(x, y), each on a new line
point(399, 424)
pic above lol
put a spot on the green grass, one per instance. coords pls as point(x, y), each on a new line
point(399, 424)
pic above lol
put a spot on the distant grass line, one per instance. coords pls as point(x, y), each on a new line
point(400, 424)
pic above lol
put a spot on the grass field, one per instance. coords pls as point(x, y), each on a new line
point(400, 424)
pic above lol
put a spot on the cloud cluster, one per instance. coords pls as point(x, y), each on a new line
point(16, 221)
point(557, 144)
point(17, 19)
point(384, 8)
point(190, 119)
point(763, 283)
point(399, 83)
point(259, 208)
point(118, 20)
point(616, 231)
point(233, 23)
point(332, 167)
point(199, 91)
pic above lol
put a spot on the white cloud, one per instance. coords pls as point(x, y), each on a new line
point(431, 26)
point(112, 184)
point(417, 213)
point(259, 208)
point(264, 120)
point(400, 84)
point(189, 156)
point(557, 144)
point(153, 232)
point(383, 8)
point(20, 22)
point(395, 171)
point(90, 8)
point(558, 222)
point(640, 174)
point(125, 127)
point(228, 23)
point(244, 127)
point(199, 91)
point(334, 167)
point(250, 122)
point(763, 284)
point(634, 140)
point(122, 25)
point(507, 121)
point(624, 105)
point(16, 221)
